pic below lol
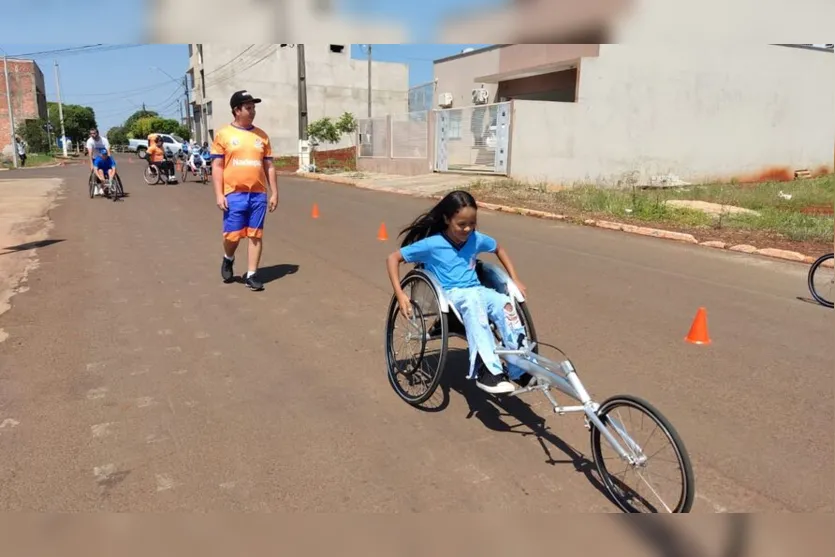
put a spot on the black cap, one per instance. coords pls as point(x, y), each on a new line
point(241, 97)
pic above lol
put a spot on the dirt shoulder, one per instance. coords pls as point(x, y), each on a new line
point(24, 226)
point(772, 215)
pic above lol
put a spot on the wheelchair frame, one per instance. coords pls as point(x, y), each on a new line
point(111, 185)
point(546, 373)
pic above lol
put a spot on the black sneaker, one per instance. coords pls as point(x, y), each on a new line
point(494, 384)
point(253, 283)
point(227, 271)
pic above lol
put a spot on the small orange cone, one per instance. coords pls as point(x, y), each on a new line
point(382, 235)
point(314, 214)
point(698, 330)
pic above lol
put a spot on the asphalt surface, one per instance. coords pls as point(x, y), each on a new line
point(134, 380)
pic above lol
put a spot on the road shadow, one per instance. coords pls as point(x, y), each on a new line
point(273, 272)
point(30, 245)
point(491, 410)
point(669, 539)
point(811, 301)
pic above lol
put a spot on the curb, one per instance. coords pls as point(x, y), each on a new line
point(773, 253)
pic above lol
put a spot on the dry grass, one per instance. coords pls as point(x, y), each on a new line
point(789, 218)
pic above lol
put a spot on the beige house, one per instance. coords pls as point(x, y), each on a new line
point(609, 114)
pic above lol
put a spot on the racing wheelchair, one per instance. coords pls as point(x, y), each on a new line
point(426, 336)
point(112, 188)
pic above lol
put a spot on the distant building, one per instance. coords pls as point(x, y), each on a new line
point(611, 114)
point(28, 94)
point(335, 84)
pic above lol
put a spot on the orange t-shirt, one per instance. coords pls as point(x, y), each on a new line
point(156, 154)
point(244, 152)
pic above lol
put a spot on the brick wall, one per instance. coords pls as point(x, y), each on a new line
point(28, 96)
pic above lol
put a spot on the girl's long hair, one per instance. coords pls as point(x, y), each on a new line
point(434, 220)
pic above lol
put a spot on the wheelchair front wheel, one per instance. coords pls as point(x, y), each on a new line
point(612, 413)
point(415, 377)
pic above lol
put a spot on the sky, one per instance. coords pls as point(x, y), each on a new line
point(63, 21)
point(116, 82)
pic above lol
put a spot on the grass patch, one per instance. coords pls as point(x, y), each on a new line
point(33, 159)
point(806, 216)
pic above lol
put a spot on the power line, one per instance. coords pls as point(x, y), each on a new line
point(56, 51)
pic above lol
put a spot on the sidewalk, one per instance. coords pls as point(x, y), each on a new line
point(24, 226)
point(435, 185)
point(423, 185)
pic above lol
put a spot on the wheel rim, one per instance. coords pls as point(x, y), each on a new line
point(664, 465)
point(415, 374)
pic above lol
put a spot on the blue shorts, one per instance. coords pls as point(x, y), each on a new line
point(245, 216)
point(104, 164)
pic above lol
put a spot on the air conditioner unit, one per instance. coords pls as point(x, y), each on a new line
point(445, 100)
point(480, 96)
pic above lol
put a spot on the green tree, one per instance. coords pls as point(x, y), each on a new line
point(117, 135)
point(33, 132)
point(77, 120)
point(128, 125)
point(325, 130)
point(142, 127)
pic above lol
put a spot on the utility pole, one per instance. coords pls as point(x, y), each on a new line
point(369, 81)
point(60, 108)
point(11, 111)
point(304, 144)
point(188, 111)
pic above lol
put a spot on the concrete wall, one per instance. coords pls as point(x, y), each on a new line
point(335, 84)
point(706, 113)
point(28, 93)
point(457, 75)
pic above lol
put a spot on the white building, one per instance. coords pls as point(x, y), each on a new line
point(335, 84)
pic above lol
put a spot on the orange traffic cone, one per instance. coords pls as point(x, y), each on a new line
point(382, 235)
point(314, 214)
point(698, 330)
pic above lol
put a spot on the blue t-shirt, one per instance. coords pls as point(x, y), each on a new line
point(454, 266)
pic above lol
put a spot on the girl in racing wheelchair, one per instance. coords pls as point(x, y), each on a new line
point(446, 242)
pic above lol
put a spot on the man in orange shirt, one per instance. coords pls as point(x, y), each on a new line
point(242, 170)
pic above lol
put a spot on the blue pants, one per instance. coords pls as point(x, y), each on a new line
point(245, 216)
point(478, 306)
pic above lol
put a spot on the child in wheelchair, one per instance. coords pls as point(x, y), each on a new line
point(446, 242)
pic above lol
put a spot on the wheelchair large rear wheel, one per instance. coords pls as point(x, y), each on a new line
point(415, 374)
point(151, 175)
point(91, 184)
point(116, 190)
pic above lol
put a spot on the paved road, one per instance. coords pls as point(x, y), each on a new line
point(135, 380)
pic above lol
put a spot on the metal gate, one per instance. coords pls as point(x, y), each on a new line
point(472, 138)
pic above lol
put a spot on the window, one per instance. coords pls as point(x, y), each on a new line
point(454, 125)
point(209, 108)
point(337, 48)
point(166, 139)
point(190, 50)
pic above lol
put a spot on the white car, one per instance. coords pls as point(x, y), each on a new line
point(172, 144)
